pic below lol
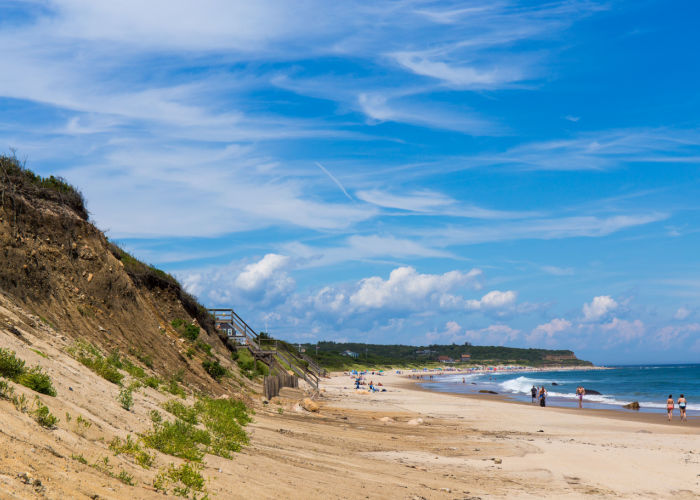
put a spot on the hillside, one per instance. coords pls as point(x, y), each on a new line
point(331, 355)
point(110, 373)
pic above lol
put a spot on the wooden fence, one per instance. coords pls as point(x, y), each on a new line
point(273, 383)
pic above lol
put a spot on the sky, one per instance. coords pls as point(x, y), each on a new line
point(493, 172)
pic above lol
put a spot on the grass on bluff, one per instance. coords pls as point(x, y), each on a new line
point(222, 433)
point(132, 448)
point(34, 378)
point(90, 356)
point(248, 365)
point(18, 180)
point(185, 480)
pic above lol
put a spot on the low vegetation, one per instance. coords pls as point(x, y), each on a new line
point(43, 416)
point(34, 378)
point(126, 398)
point(185, 330)
point(248, 365)
point(209, 426)
point(132, 448)
point(184, 480)
point(19, 182)
point(90, 356)
point(214, 369)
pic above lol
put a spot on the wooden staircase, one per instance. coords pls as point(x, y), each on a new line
point(271, 351)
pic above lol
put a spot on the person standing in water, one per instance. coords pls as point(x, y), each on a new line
point(543, 396)
point(669, 406)
point(681, 407)
point(533, 391)
point(580, 392)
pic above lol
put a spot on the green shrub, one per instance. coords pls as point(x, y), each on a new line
point(132, 448)
point(90, 356)
point(133, 370)
point(43, 416)
point(6, 390)
point(178, 439)
point(261, 368)
point(80, 458)
point(34, 378)
point(37, 381)
point(174, 388)
point(125, 477)
point(126, 399)
point(203, 346)
point(186, 330)
point(152, 382)
point(10, 365)
point(224, 418)
point(186, 413)
point(214, 369)
point(185, 479)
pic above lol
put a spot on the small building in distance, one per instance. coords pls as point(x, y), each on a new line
point(350, 353)
point(446, 359)
point(465, 357)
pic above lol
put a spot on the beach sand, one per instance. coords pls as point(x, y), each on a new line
point(408, 443)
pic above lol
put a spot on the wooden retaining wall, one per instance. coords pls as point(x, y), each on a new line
point(273, 383)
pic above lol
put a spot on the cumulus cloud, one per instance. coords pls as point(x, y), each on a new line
point(265, 281)
point(547, 331)
point(492, 300)
point(497, 334)
point(599, 307)
point(266, 275)
point(406, 288)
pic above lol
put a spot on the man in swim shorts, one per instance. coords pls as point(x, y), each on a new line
point(533, 391)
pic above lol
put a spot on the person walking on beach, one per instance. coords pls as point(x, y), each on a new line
point(543, 397)
point(681, 407)
point(580, 392)
point(533, 391)
point(669, 406)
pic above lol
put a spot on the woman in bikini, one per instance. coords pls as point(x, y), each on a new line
point(669, 406)
point(681, 407)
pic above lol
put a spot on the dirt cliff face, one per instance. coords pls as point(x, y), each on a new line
point(55, 264)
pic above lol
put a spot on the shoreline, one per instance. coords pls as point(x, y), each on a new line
point(612, 412)
point(491, 446)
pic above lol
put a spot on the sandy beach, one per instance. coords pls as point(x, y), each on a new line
point(408, 443)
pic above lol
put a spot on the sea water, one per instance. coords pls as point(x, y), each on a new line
point(650, 385)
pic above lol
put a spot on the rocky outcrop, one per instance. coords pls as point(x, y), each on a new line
point(632, 406)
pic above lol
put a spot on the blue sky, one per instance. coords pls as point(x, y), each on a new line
point(498, 172)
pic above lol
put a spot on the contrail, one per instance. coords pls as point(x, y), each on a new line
point(337, 182)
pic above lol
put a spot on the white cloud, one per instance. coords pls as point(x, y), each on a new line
point(493, 300)
point(671, 335)
point(493, 335)
point(549, 330)
point(599, 307)
point(407, 288)
point(267, 274)
point(558, 271)
point(682, 313)
point(620, 330)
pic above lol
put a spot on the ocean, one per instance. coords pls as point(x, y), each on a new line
point(650, 385)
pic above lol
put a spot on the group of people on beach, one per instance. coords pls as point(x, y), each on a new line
point(670, 405)
point(541, 395)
